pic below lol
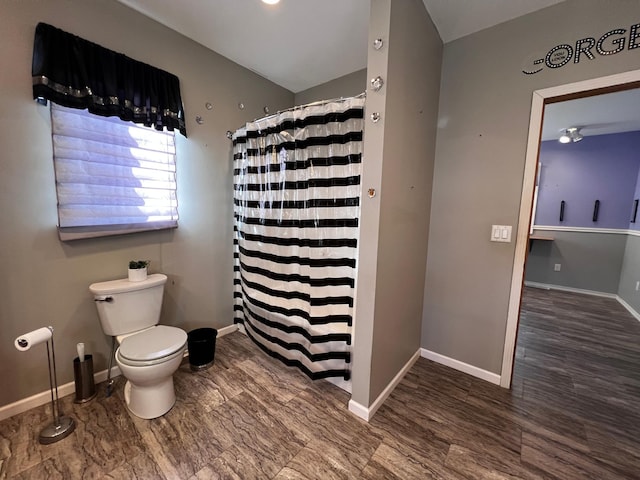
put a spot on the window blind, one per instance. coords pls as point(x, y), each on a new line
point(112, 176)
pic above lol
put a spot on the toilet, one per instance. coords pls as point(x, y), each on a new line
point(148, 354)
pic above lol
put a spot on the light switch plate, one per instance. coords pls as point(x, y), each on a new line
point(501, 233)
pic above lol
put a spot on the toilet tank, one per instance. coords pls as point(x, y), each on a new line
point(125, 307)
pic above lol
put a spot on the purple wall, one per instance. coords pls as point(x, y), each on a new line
point(636, 226)
point(603, 167)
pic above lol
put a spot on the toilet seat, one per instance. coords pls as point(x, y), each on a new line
point(152, 346)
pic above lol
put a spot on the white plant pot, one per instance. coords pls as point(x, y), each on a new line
point(137, 274)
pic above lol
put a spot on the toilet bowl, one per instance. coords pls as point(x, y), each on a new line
point(148, 361)
point(148, 354)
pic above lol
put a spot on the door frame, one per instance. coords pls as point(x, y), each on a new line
point(585, 88)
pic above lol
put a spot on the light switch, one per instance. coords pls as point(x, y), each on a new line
point(501, 233)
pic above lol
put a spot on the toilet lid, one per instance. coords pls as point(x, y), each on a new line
point(152, 344)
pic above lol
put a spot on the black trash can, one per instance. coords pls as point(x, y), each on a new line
point(201, 343)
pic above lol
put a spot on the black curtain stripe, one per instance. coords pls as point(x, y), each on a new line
point(294, 329)
point(300, 204)
point(306, 143)
point(300, 242)
point(283, 277)
point(317, 223)
point(343, 239)
point(301, 184)
point(314, 357)
point(296, 312)
point(346, 374)
point(311, 262)
point(313, 301)
point(299, 164)
point(290, 124)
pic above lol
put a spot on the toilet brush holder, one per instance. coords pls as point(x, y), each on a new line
point(83, 377)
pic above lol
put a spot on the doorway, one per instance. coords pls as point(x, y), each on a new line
point(541, 98)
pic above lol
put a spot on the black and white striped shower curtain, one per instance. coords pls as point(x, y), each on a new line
point(296, 209)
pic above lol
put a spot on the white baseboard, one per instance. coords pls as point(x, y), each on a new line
point(461, 366)
point(631, 310)
point(43, 398)
point(227, 330)
point(562, 288)
point(359, 410)
point(367, 413)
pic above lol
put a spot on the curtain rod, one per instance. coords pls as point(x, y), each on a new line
point(312, 104)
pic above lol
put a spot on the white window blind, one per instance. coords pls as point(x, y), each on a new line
point(112, 176)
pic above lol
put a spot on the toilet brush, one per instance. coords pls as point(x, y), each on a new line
point(62, 425)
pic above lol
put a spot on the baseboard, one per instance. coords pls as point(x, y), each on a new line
point(367, 413)
point(359, 410)
point(562, 288)
point(43, 398)
point(629, 308)
point(227, 330)
point(461, 366)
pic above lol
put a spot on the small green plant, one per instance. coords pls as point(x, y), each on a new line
point(138, 264)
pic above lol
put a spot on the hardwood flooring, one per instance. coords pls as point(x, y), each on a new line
point(573, 413)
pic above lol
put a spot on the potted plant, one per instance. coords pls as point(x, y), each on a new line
point(138, 270)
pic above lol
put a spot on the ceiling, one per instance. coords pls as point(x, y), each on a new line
point(299, 44)
point(457, 18)
point(600, 115)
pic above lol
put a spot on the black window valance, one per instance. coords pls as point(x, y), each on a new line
point(74, 72)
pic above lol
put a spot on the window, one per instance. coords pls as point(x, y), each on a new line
point(112, 176)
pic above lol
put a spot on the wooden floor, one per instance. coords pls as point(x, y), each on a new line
point(574, 413)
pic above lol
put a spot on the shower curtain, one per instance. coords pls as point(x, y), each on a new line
point(296, 209)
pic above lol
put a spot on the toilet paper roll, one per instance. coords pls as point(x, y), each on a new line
point(28, 340)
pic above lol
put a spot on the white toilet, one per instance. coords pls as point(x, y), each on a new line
point(148, 354)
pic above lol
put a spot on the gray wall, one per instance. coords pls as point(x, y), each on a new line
point(346, 86)
point(630, 274)
point(395, 223)
point(589, 261)
point(44, 281)
point(485, 104)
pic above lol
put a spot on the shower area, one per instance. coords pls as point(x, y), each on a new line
point(296, 222)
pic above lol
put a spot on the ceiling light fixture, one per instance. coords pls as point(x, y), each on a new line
point(270, 2)
point(570, 135)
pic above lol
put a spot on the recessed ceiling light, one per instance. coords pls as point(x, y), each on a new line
point(270, 2)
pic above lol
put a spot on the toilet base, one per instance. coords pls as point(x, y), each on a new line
point(150, 401)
